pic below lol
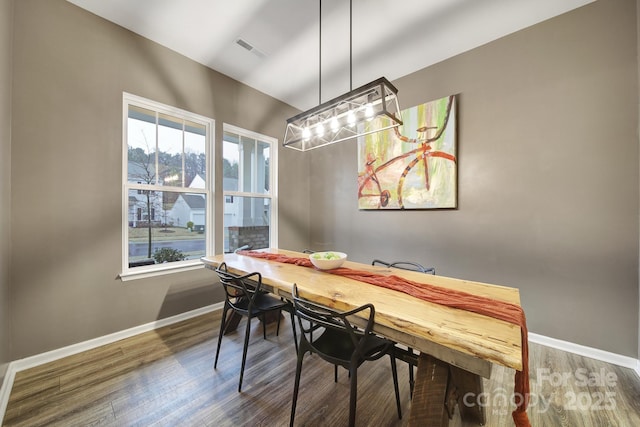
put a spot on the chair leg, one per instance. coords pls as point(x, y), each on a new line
point(353, 394)
point(222, 325)
point(335, 373)
point(293, 326)
point(411, 379)
point(278, 324)
point(244, 352)
point(264, 325)
point(296, 387)
point(394, 373)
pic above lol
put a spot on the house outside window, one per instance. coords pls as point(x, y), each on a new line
point(250, 189)
point(167, 188)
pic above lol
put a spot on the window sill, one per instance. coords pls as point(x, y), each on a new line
point(144, 273)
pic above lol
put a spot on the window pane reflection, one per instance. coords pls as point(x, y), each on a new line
point(165, 226)
point(247, 221)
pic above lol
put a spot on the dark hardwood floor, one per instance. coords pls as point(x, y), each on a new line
point(166, 378)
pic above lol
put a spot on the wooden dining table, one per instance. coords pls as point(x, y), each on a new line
point(457, 348)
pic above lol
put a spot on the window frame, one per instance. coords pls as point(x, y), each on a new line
point(130, 273)
point(272, 195)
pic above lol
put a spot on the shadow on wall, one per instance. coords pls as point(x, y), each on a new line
point(181, 300)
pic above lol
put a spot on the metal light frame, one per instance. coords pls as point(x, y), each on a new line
point(344, 117)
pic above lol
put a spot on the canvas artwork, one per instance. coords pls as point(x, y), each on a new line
point(412, 166)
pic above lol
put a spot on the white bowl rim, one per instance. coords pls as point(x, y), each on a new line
point(340, 254)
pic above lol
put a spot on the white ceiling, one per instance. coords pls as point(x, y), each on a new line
point(391, 38)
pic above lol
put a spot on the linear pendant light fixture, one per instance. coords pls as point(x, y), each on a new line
point(344, 117)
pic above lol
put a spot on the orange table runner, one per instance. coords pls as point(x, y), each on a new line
point(501, 310)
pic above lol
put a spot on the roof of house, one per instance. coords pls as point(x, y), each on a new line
point(194, 201)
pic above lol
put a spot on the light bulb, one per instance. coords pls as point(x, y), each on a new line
point(306, 134)
point(320, 130)
point(368, 112)
point(351, 118)
point(335, 125)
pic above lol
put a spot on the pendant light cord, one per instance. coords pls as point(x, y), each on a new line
point(320, 49)
point(320, 54)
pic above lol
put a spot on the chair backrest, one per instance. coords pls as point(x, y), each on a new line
point(243, 248)
point(406, 265)
point(319, 316)
point(237, 288)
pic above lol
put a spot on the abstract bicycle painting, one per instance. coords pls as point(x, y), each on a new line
point(412, 166)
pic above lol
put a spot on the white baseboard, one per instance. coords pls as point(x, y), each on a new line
point(50, 356)
point(582, 350)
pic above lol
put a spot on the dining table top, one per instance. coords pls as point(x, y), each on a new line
point(462, 338)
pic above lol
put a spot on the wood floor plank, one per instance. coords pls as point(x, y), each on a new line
point(166, 378)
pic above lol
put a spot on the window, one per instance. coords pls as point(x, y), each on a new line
point(250, 190)
point(167, 188)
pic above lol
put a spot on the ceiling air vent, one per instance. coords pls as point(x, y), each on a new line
point(251, 48)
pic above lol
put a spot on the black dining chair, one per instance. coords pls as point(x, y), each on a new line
point(411, 266)
point(243, 248)
point(341, 343)
point(244, 296)
point(406, 265)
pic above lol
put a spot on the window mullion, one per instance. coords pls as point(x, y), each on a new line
point(184, 172)
point(255, 167)
point(247, 194)
point(170, 189)
point(157, 169)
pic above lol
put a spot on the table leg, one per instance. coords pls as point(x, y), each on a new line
point(429, 393)
point(233, 319)
point(468, 387)
point(438, 387)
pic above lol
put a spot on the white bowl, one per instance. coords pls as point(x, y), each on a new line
point(328, 260)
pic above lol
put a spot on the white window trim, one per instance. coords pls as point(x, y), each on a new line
point(273, 176)
point(178, 266)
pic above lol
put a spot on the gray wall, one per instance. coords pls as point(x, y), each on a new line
point(548, 177)
point(5, 179)
point(71, 68)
